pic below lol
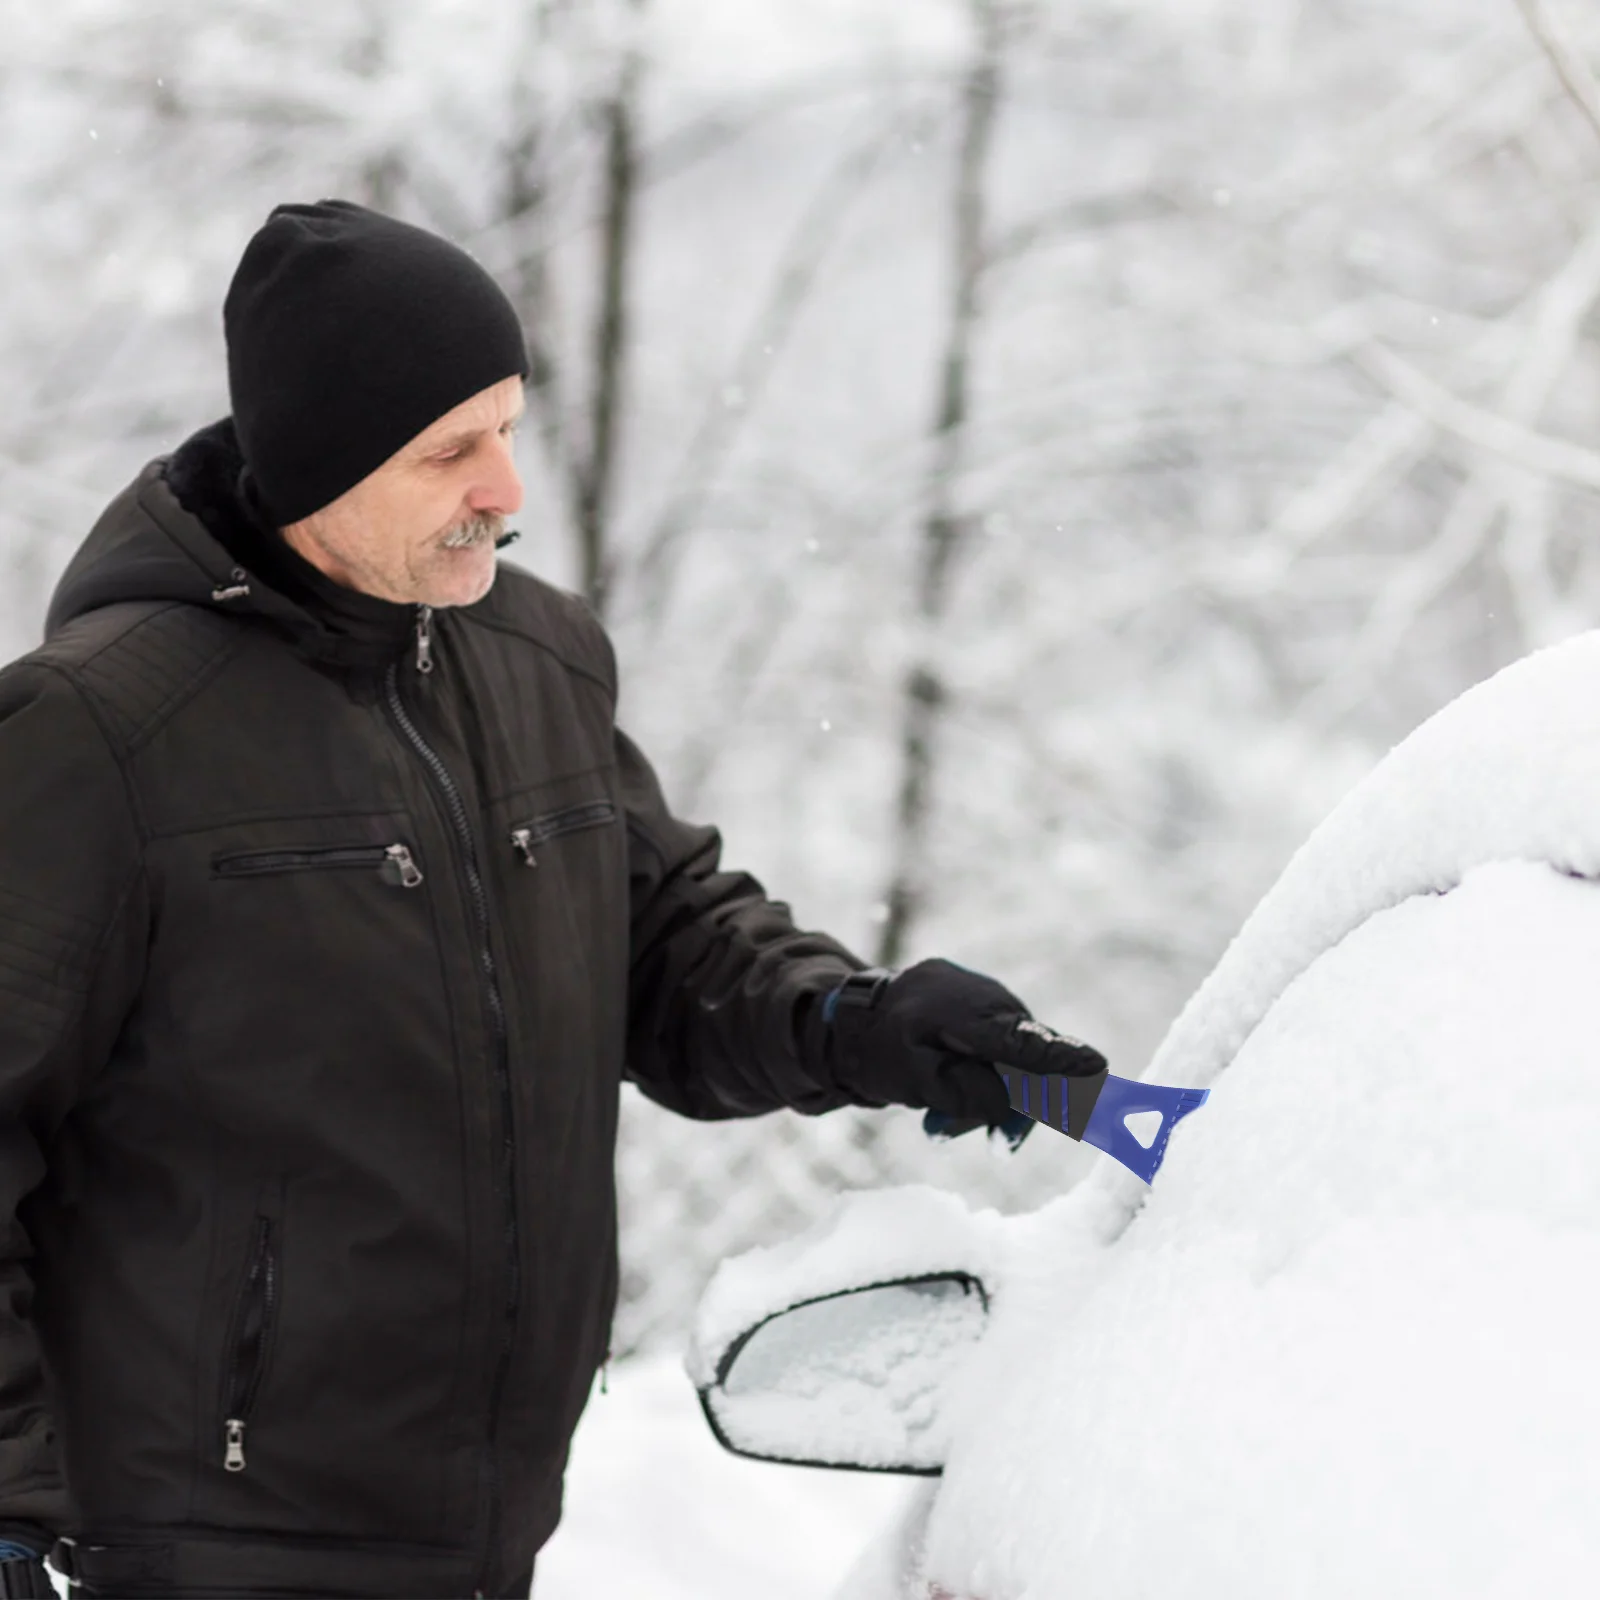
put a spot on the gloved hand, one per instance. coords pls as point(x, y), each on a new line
point(932, 1037)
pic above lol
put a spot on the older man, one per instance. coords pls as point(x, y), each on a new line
point(333, 910)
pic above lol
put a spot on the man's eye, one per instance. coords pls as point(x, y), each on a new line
point(445, 457)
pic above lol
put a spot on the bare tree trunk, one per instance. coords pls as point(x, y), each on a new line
point(594, 478)
point(582, 453)
point(526, 203)
point(926, 697)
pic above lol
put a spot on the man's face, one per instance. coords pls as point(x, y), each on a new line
point(421, 529)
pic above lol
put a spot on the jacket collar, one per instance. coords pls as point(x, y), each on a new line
point(208, 479)
point(189, 530)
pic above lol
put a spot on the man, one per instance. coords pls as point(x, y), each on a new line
point(333, 910)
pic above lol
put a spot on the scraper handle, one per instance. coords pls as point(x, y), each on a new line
point(1095, 1109)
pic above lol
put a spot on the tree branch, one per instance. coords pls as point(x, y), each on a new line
point(925, 696)
point(1090, 215)
point(1576, 76)
point(1514, 443)
point(733, 400)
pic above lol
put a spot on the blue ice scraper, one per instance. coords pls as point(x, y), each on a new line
point(1091, 1106)
point(1096, 1110)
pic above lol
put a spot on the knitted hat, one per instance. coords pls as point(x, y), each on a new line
point(349, 333)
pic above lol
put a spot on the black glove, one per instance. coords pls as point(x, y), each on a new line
point(933, 1035)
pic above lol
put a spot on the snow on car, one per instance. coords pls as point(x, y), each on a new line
point(1347, 1342)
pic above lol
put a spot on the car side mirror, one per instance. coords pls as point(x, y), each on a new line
point(853, 1379)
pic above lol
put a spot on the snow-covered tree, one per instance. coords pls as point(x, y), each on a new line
point(1107, 423)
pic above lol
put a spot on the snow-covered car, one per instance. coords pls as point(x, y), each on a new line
point(1349, 1342)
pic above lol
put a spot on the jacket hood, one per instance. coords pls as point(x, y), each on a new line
point(188, 530)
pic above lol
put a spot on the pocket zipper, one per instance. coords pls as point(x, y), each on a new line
point(541, 830)
point(394, 861)
point(251, 1337)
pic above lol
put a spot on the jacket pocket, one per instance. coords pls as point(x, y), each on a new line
point(393, 862)
point(250, 1341)
point(529, 836)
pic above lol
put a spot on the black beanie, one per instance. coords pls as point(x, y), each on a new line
point(349, 333)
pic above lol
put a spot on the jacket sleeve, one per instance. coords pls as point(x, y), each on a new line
point(724, 991)
point(72, 940)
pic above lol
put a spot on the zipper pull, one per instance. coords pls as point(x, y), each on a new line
point(236, 588)
point(405, 863)
point(522, 838)
point(424, 640)
point(234, 1432)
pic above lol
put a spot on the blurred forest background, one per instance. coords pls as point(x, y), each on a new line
point(1033, 454)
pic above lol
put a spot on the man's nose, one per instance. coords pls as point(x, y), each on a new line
point(499, 490)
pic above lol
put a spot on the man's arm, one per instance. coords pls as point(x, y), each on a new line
point(725, 993)
point(72, 942)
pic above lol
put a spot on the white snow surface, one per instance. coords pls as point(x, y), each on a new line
point(873, 1236)
point(1346, 1343)
point(876, 1363)
point(656, 1510)
point(1509, 771)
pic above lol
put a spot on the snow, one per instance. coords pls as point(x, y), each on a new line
point(878, 1362)
point(1345, 1344)
point(656, 1510)
point(1357, 1316)
point(874, 1363)
point(1509, 771)
point(1209, 507)
point(1184, 504)
point(875, 1236)
point(764, 48)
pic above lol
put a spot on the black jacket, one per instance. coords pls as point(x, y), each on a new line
point(320, 976)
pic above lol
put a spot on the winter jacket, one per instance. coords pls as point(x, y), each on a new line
point(321, 971)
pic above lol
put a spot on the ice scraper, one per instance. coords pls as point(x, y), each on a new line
point(1094, 1108)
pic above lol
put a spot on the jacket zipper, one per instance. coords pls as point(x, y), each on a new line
point(395, 861)
point(456, 809)
point(424, 640)
point(252, 1333)
point(541, 830)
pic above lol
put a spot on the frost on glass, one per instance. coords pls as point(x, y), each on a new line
point(853, 1379)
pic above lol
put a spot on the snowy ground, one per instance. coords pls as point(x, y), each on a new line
point(657, 1510)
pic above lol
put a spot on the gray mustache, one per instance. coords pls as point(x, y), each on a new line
point(474, 531)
